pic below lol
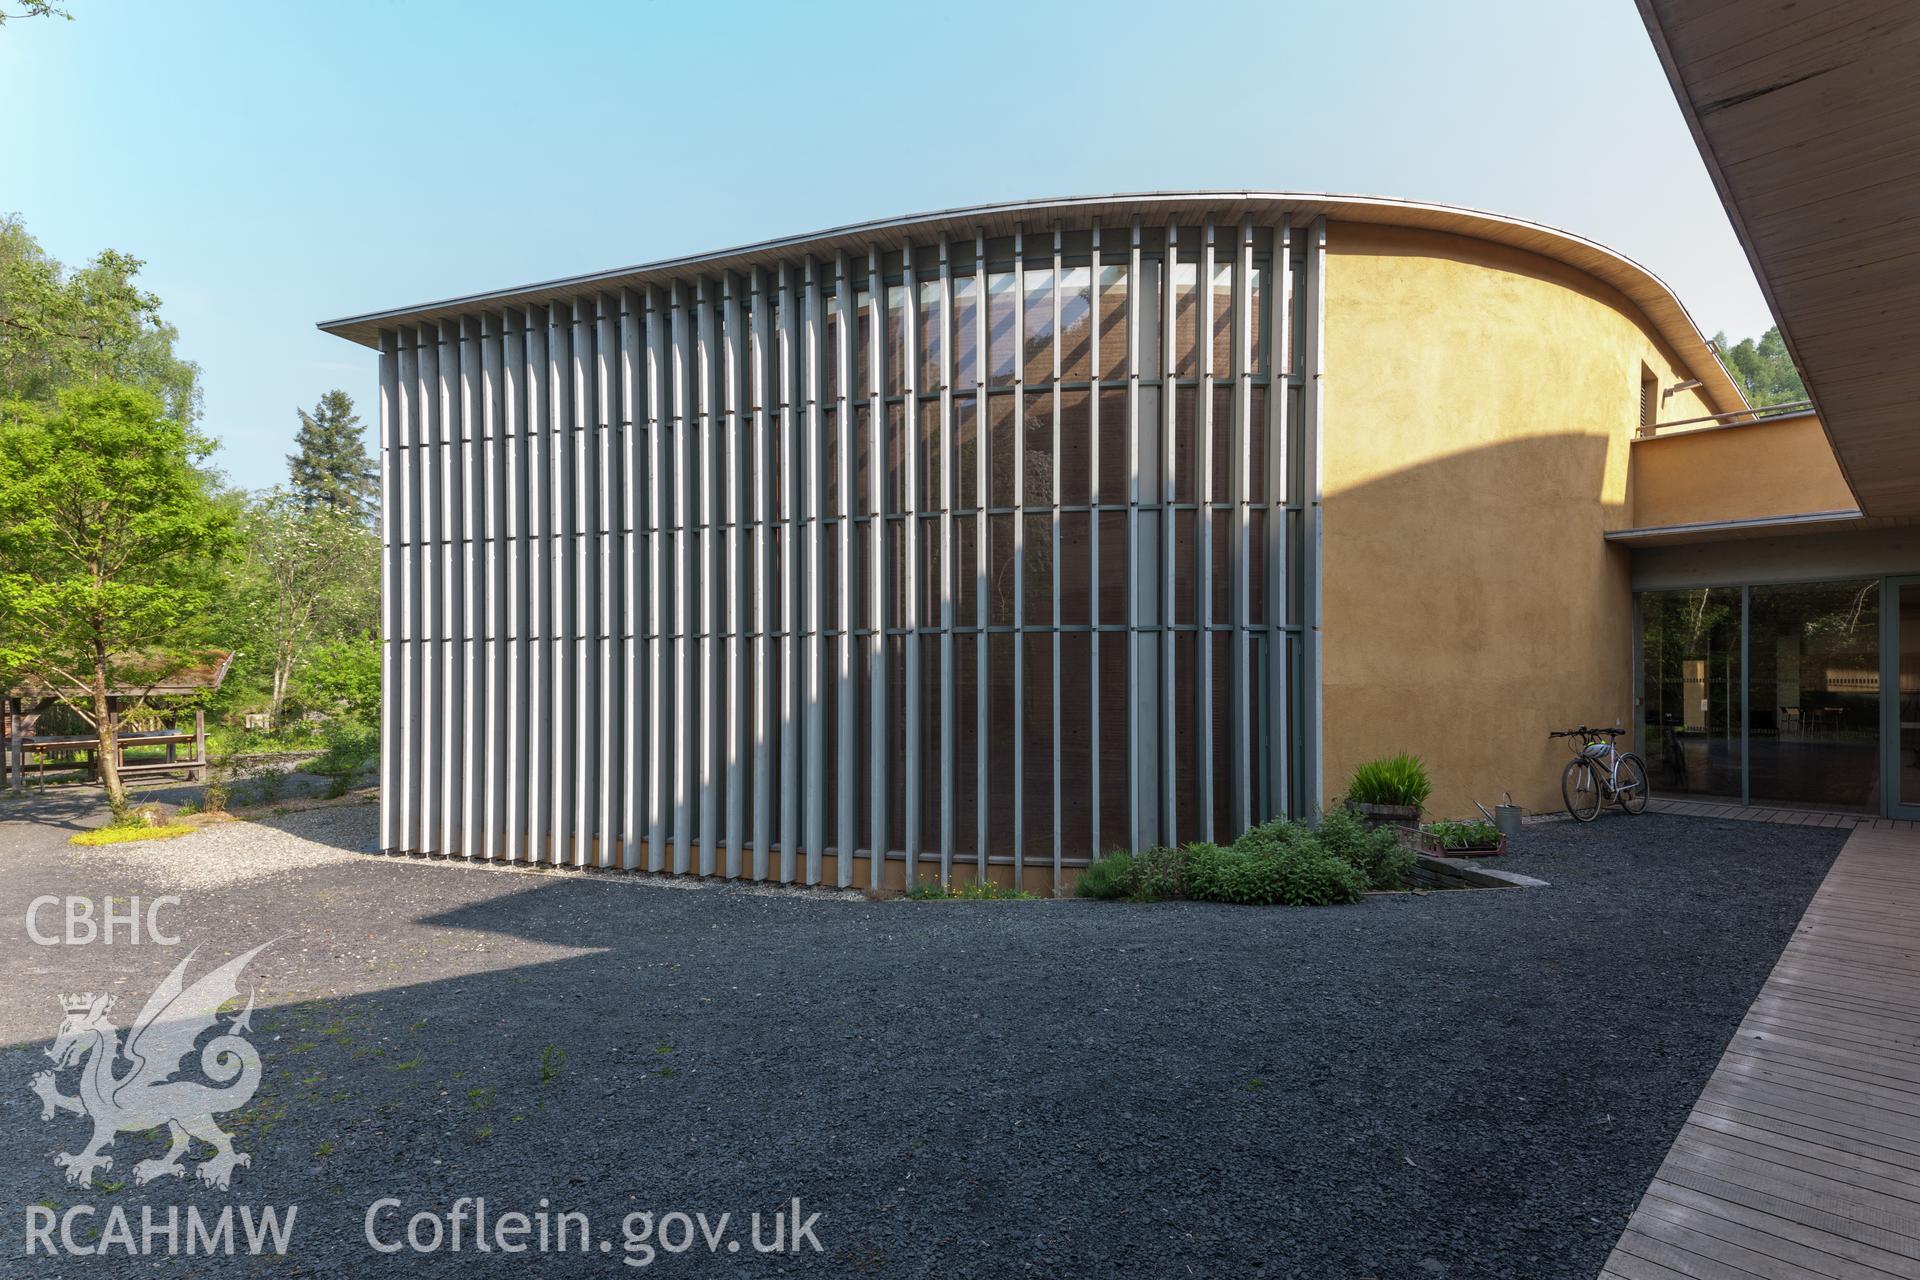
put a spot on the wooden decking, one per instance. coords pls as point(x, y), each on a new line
point(1802, 1156)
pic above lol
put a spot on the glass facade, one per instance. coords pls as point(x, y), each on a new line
point(1814, 695)
point(1768, 694)
point(1690, 695)
point(1906, 648)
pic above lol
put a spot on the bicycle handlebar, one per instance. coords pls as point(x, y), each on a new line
point(1584, 732)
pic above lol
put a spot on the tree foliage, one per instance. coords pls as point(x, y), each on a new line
point(1763, 368)
point(111, 535)
point(344, 673)
point(309, 574)
point(35, 9)
point(330, 467)
point(66, 328)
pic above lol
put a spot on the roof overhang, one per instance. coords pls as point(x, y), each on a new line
point(1808, 118)
point(1640, 286)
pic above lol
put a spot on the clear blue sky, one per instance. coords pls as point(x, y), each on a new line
point(280, 164)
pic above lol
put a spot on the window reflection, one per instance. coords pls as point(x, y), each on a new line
point(1113, 321)
point(896, 339)
point(1814, 698)
point(1186, 319)
point(1257, 307)
point(1809, 678)
point(1038, 334)
point(1223, 365)
point(1076, 324)
point(862, 342)
point(965, 331)
point(932, 336)
point(1000, 316)
point(1690, 655)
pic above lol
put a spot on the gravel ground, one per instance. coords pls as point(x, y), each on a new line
point(1459, 1084)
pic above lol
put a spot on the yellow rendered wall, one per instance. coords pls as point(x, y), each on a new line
point(1477, 408)
point(1779, 468)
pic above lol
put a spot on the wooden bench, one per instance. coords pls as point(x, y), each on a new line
point(77, 750)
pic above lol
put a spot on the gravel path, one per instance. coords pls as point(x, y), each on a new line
point(1455, 1084)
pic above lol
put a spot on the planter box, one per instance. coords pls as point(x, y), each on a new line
point(1388, 815)
point(1430, 844)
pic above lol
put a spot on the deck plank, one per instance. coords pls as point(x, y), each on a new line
point(1802, 1156)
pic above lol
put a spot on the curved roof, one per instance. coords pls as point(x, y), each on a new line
point(1644, 289)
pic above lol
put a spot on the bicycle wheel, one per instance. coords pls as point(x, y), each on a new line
point(1580, 788)
point(1632, 791)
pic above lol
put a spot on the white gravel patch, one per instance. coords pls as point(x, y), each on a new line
point(235, 853)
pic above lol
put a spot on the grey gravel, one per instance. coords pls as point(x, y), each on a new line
point(1450, 1084)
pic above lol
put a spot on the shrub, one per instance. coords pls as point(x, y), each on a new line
point(1277, 835)
point(1317, 880)
point(1391, 780)
point(1109, 878)
point(1214, 875)
point(344, 673)
point(1284, 870)
point(1378, 853)
point(352, 749)
point(1158, 874)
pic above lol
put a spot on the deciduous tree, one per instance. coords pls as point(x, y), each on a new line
point(111, 535)
point(310, 573)
point(61, 328)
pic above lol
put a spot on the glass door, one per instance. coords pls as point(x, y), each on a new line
point(1902, 679)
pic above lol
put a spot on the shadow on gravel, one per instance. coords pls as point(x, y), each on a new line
point(1449, 1085)
point(74, 806)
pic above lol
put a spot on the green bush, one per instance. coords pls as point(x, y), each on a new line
point(1109, 878)
point(352, 748)
point(346, 674)
point(1277, 835)
point(1393, 780)
point(1215, 875)
point(1158, 874)
point(1378, 853)
point(1277, 862)
point(1317, 880)
point(1285, 871)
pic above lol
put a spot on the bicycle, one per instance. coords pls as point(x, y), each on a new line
point(1599, 772)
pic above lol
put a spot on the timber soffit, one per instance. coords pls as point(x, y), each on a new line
point(1806, 118)
point(1644, 289)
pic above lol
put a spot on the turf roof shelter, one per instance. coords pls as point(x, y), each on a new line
point(979, 542)
point(151, 679)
